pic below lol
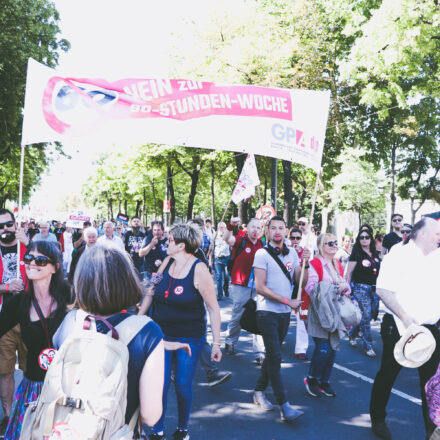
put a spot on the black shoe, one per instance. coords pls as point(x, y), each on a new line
point(380, 429)
point(218, 377)
point(180, 435)
point(327, 390)
point(3, 426)
point(229, 349)
point(259, 360)
point(312, 387)
point(219, 297)
point(156, 436)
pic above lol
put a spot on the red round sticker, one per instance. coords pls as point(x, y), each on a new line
point(289, 266)
point(178, 290)
point(366, 263)
point(45, 358)
point(157, 263)
point(63, 430)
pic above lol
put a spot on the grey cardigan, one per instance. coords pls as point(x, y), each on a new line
point(324, 318)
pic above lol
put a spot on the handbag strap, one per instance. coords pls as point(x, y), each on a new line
point(271, 251)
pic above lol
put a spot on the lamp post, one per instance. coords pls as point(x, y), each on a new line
point(412, 193)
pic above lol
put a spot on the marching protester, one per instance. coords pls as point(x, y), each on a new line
point(105, 284)
point(393, 237)
point(90, 236)
point(344, 252)
point(153, 249)
point(308, 236)
point(222, 254)
point(302, 337)
point(68, 249)
point(242, 256)
point(109, 238)
point(363, 269)
point(410, 300)
point(13, 280)
point(39, 310)
point(181, 290)
point(133, 240)
point(45, 233)
point(325, 269)
point(276, 268)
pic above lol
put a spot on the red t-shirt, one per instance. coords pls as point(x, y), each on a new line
point(241, 271)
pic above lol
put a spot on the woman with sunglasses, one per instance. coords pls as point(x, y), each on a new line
point(362, 271)
point(327, 269)
point(39, 310)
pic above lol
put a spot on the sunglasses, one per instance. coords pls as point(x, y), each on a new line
point(295, 237)
point(396, 220)
point(364, 237)
point(40, 261)
point(8, 224)
point(301, 224)
point(332, 243)
point(406, 231)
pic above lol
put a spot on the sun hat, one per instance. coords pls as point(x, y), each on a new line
point(415, 347)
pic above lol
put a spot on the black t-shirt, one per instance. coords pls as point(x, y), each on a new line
point(32, 232)
point(58, 232)
point(367, 268)
point(390, 240)
point(132, 245)
point(9, 263)
point(157, 254)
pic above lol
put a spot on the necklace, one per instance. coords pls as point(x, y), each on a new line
point(167, 292)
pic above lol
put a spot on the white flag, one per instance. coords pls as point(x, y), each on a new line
point(247, 181)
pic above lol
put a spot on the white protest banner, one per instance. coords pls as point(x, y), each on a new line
point(281, 123)
point(247, 181)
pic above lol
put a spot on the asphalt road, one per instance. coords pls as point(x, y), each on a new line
point(227, 412)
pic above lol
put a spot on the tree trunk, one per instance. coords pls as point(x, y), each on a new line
point(110, 208)
point(144, 207)
point(242, 208)
point(171, 194)
point(138, 208)
point(125, 206)
point(393, 178)
point(265, 190)
point(214, 223)
point(119, 205)
point(288, 193)
point(192, 194)
point(154, 199)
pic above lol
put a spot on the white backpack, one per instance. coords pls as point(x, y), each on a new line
point(84, 396)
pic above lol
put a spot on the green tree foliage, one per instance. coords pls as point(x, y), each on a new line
point(28, 29)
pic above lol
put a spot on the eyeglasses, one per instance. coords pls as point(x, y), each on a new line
point(364, 237)
point(295, 237)
point(8, 224)
point(40, 260)
point(332, 243)
point(301, 224)
point(406, 231)
point(396, 220)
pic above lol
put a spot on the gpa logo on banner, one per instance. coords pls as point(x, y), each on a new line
point(287, 135)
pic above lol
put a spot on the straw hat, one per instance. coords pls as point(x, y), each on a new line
point(415, 347)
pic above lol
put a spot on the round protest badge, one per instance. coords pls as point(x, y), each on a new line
point(157, 263)
point(366, 263)
point(63, 431)
point(266, 212)
point(45, 358)
point(248, 250)
point(178, 290)
point(289, 266)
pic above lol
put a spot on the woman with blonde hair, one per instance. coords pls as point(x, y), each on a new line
point(325, 271)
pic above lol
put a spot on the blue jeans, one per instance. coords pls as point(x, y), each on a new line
point(185, 368)
point(221, 275)
point(322, 361)
point(273, 327)
point(368, 303)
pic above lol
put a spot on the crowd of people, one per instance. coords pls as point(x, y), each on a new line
point(178, 275)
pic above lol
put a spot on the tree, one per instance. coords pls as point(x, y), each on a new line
point(28, 29)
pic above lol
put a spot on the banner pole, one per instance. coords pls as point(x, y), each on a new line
point(312, 212)
point(226, 210)
point(20, 204)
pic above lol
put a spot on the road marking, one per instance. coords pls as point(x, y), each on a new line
point(367, 379)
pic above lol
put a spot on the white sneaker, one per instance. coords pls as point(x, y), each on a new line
point(370, 353)
point(261, 401)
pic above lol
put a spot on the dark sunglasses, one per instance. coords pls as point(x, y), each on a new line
point(364, 237)
point(332, 243)
point(406, 231)
point(295, 237)
point(395, 220)
point(8, 224)
point(40, 261)
point(301, 224)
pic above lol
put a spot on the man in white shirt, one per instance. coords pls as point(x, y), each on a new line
point(109, 238)
point(407, 286)
point(308, 239)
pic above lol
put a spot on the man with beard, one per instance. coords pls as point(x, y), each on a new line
point(154, 249)
point(11, 342)
point(133, 243)
point(276, 269)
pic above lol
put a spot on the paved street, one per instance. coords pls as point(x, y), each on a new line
point(227, 412)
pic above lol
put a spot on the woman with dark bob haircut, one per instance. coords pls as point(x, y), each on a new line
point(179, 296)
point(106, 284)
point(39, 310)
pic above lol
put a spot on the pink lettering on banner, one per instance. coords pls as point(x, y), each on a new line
point(70, 102)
